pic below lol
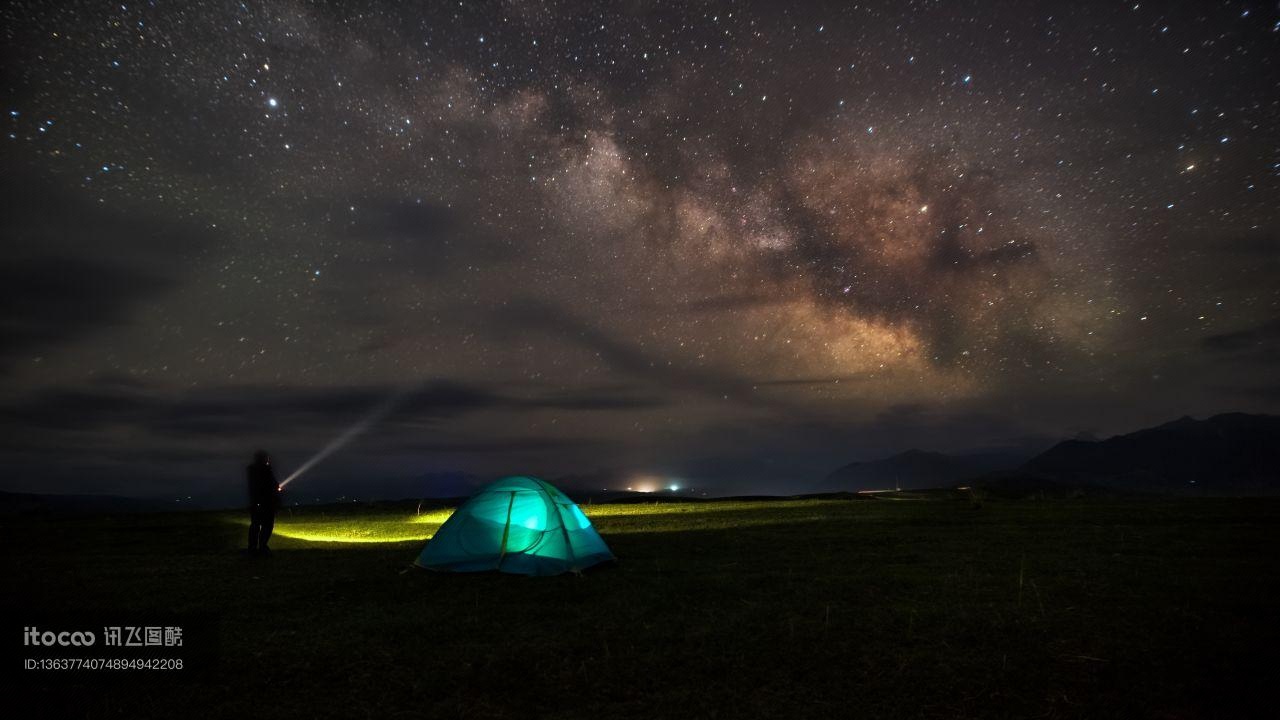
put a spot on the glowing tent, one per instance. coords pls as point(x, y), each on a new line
point(518, 525)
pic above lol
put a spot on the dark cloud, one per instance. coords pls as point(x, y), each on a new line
point(530, 314)
point(74, 267)
point(416, 238)
point(389, 220)
point(1263, 338)
point(1266, 393)
point(49, 301)
point(257, 410)
point(1253, 354)
point(112, 427)
point(534, 444)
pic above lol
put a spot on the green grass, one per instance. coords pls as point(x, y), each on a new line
point(867, 608)
point(396, 523)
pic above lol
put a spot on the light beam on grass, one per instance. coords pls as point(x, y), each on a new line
point(361, 529)
point(347, 535)
point(614, 519)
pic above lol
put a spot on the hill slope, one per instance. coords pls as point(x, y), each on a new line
point(1227, 454)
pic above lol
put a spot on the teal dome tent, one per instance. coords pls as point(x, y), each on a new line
point(518, 525)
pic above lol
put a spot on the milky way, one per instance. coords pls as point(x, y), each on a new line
point(733, 243)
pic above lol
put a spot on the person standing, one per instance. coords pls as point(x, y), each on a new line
point(264, 499)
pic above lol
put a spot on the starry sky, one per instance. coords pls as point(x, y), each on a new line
point(736, 244)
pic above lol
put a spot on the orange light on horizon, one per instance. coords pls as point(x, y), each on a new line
point(646, 483)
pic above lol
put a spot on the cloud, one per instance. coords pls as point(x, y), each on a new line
point(386, 219)
point(247, 410)
point(412, 235)
point(1261, 338)
point(75, 267)
point(49, 301)
point(528, 313)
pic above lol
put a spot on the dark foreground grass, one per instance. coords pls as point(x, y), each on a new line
point(854, 608)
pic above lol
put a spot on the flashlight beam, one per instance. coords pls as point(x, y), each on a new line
point(379, 412)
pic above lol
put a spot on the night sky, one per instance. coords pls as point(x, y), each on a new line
point(736, 244)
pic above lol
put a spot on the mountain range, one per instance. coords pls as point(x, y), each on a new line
point(1229, 454)
point(915, 470)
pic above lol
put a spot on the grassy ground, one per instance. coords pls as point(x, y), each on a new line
point(838, 608)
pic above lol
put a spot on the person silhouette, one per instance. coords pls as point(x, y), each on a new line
point(264, 498)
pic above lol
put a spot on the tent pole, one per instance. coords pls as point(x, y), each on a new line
point(564, 529)
point(506, 530)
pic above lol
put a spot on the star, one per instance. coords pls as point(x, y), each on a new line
point(627, 221)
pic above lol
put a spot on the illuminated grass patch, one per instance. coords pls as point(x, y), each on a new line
point(696, 508)
point(359, 528)
point(372, 525)
point(684, 516)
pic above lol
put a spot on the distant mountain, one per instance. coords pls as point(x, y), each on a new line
point(916, 469)
point(1232, 454)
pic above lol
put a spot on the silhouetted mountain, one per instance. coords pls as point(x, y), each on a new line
point(916, 469)
point(1232, 454)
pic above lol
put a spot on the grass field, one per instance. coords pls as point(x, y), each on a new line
point(891, 607)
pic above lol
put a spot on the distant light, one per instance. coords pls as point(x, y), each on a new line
point(272, 102)
point(673, 488)
point(647, 483)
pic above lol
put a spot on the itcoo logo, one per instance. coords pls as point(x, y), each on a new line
point(33, 636)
